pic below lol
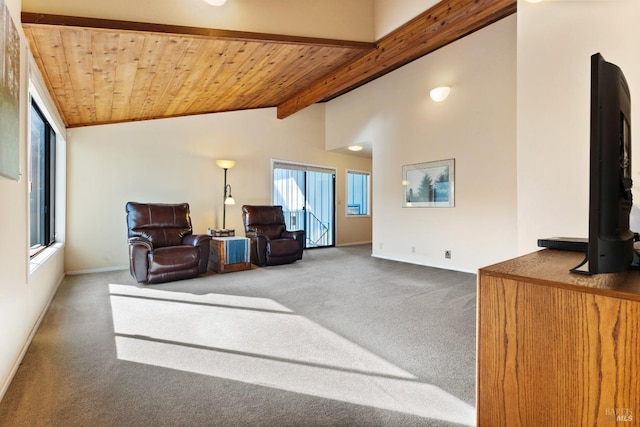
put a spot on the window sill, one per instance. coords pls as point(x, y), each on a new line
point(42, 257)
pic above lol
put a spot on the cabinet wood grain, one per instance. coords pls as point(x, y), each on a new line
point(555, 348)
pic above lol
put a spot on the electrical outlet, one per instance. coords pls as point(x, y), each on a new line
point(447, 254)
point(413, 249)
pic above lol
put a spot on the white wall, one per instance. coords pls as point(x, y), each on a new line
point(334, 19)
point(390, 14)
point(23, 295)
point(555, 42)
point(476, 125)
point(173, 160)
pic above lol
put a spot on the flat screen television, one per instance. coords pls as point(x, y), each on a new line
point(610, 243)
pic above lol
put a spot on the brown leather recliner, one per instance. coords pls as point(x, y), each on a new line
point(271, 243)
point(161, 244)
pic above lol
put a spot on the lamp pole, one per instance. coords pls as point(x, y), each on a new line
point(224, 199)
point(226, 165)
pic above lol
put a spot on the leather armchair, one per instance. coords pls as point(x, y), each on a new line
point(271, 243)
point(161, 244)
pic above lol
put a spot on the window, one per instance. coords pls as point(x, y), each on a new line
point(307, 195)
point(357, 193)
point(42, 152)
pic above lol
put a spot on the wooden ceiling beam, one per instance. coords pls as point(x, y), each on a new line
point(444, 23)
point(30, 19)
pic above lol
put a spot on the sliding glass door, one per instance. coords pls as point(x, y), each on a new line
point(307, 196)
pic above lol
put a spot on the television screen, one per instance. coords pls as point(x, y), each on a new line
point(610, 243)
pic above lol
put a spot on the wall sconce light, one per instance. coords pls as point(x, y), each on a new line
point(228, 200)
point(216, 2)
point(357, 147)
point(439, 94)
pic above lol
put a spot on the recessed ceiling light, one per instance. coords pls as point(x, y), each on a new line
point(355, 147)
point(216, 2)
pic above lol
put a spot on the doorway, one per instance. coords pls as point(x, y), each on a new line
point(307, 196)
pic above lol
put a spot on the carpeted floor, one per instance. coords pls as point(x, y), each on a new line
point(337, 339)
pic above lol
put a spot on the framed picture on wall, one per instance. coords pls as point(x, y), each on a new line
point(9, 95)
point(429, 185)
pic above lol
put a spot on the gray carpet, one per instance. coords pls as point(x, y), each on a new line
point(337, 339)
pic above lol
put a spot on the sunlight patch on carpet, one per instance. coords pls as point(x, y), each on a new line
point(213, 299)
point(259, 341)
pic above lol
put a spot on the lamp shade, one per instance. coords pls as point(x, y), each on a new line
point(226, 164)
point(228, 198)
point(439, 94)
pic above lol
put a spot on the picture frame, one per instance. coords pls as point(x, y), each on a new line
point(429, 184)
point(9, 96)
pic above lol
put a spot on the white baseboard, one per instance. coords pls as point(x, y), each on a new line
point(353, 244)
point(26, 345)
point(97, 270)
point(442, 267)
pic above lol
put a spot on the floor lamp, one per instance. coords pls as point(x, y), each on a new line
point(228, 199)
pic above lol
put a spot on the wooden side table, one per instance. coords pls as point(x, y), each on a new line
point(228, 254)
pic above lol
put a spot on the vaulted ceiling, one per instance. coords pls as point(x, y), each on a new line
point(104, 71)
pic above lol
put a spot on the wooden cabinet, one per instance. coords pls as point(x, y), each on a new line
point(557, 348)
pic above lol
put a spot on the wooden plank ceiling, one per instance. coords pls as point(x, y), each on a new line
point(103, 71)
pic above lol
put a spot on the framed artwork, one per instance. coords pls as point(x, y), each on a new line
point(429, 185)
point(9, 95)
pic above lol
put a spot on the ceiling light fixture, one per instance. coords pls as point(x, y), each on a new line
point(216, 2)
point(355, 147)
point(439, 94)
